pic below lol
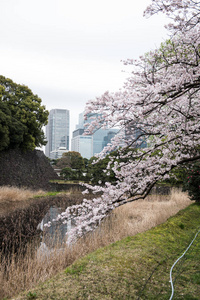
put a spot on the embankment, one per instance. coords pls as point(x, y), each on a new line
point(29, 169)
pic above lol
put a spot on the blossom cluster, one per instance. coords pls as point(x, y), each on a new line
point(159, 103)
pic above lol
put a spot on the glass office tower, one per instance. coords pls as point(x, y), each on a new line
point(89, 145)
point(57, 130)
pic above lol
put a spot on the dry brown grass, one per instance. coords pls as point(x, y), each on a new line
point(127, 220)
point(11, 194)
point(138, 216)
point(12, 198)
point(142, 215)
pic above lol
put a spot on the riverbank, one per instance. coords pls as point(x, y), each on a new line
point(128, 220)
point(22, 210)
point(14, 198)
point(136, 267)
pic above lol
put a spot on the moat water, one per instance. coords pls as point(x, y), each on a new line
point(55, 235)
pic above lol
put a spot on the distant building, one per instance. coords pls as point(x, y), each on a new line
point(83, 144)
point(101, 138)
point(81, 121)
point(89, 145)
point(58, 153)
point(57, 132)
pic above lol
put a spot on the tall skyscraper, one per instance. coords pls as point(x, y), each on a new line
point(57, 131)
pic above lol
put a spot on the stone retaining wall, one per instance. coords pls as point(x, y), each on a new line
point(26, 169)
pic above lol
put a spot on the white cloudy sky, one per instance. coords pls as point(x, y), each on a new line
point(70, 51)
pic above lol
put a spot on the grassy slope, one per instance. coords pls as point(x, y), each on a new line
point(136, 267)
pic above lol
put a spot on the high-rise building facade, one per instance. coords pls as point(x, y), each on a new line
point(89, 145)
point(57, 131)
point(82, 143)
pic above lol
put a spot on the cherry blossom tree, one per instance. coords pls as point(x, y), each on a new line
point(159, 103)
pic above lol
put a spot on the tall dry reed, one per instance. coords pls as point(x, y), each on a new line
point(8, 194)
point(24, 273)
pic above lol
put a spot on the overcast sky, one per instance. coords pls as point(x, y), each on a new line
point(70, 51)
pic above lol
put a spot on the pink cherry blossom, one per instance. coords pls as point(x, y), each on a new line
point(159, 102)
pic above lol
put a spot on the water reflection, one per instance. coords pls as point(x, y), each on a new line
point(55, 235)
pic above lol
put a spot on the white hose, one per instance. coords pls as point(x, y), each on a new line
point(176, 263)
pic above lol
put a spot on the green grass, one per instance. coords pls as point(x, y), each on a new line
point(62, 181)
point(47, 194)
point(136, 267)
